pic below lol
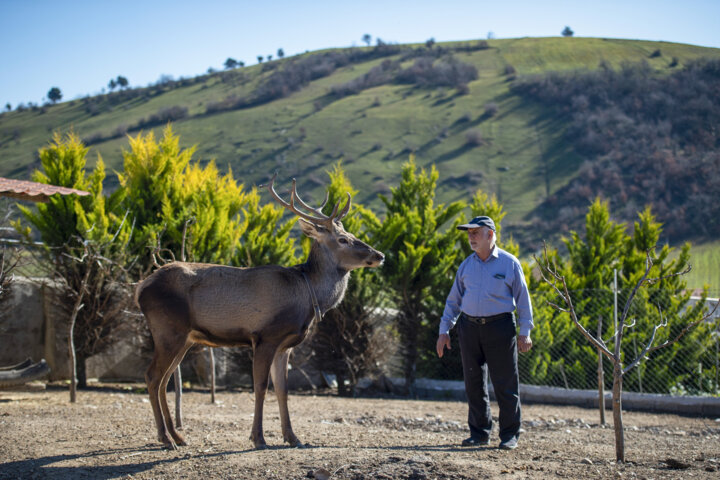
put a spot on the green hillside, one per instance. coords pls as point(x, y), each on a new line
point(480, 135)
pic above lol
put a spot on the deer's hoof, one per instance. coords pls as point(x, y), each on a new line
point(259, 442)
point(179, 439)
point(170, 445)
point(294, 442)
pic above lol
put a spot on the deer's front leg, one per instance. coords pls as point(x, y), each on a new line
point(262, 359)
point(279, 378)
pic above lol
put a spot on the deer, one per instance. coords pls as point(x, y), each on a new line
point(268, 308)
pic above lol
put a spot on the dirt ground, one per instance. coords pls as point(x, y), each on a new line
point(109, 433)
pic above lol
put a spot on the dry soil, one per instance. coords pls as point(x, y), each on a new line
point(109, 433)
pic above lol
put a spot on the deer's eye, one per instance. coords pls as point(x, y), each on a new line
point(343, 240)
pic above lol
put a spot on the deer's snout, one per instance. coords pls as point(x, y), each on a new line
point(376, 259)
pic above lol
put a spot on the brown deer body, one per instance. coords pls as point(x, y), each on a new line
point(269, 308)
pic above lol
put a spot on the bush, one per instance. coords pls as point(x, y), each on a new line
point(449, 71)
point(473, 138)
point(163, 116)
point(491, 109)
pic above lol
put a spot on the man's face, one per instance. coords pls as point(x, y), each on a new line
point(480, 238)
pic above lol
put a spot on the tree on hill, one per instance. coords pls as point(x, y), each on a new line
point(54, 95)
point(230, 63)
point(280, 53)
point(430, 43)
point(112, 85)
point(260, 58)
point(367, 39)
point(567, 32)
point(121, 81)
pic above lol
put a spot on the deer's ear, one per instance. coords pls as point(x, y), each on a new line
point(311, 230)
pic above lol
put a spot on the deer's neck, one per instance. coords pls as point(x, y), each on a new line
point(327, 279)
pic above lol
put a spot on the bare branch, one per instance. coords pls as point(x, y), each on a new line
point(687, 328)
point(565, 294)
point(628, 302)
point(651, 281)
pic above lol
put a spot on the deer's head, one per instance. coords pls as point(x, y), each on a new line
point(343, 247)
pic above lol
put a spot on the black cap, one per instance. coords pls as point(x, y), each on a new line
point(476, 222)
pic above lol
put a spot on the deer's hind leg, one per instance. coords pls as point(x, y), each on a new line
point(178, 437)
point(168, 354)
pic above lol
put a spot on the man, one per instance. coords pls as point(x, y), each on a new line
point(489, 286)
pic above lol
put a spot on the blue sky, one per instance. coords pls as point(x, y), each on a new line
point(79, 45)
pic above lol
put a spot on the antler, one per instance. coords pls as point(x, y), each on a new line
point(321, 218)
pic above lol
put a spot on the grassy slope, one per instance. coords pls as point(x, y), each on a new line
point(705, 261)
point(522, 159)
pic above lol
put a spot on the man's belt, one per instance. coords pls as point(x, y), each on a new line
point(486, 320)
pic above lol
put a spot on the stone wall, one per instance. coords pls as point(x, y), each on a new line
point(32, 325)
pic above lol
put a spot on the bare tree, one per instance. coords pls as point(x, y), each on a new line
point(550, 275)
point(98, 284)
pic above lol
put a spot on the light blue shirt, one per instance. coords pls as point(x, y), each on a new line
point(485, 288)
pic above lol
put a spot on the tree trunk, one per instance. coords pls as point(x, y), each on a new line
point(81, 366)
point(408, 337)
point(617, 413)
point(410, 363)
point(601, 377)
point(73, 364)
point(212, 375)
point(342, 388)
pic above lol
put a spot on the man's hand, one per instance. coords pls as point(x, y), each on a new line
point(442, 342)
point(524, 343)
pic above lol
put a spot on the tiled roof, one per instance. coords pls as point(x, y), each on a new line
point(33, 191)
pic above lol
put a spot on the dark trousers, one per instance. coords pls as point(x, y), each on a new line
point(492, 347)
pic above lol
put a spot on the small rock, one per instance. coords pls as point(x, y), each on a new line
point(586, 461)
point(676, 464)
point(320, 474)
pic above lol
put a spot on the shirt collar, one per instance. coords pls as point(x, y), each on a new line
point(494, 253)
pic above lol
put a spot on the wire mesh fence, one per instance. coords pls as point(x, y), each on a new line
point(563, 357)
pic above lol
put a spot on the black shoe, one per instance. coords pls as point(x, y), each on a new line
point(475, 442)
point(509, 444)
